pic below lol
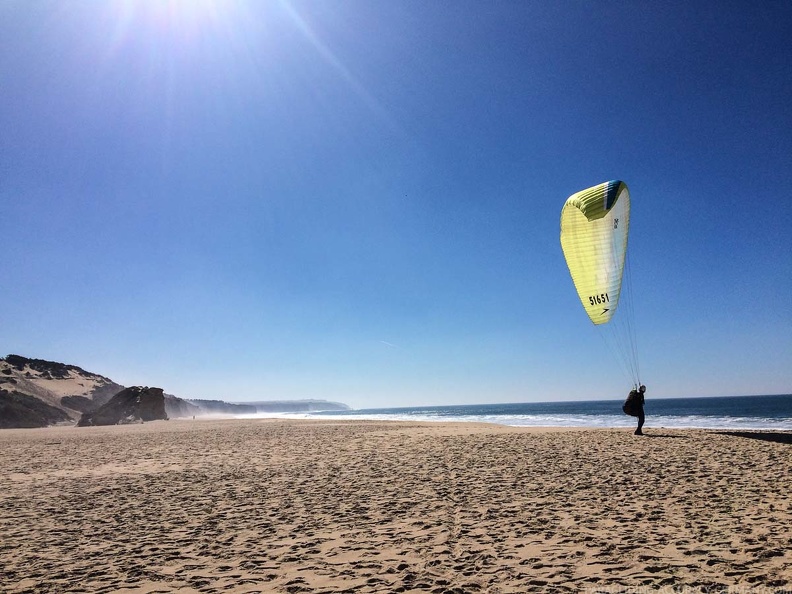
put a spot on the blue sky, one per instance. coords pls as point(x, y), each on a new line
point(360, 200)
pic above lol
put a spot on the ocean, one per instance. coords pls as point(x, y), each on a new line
point(728, 412)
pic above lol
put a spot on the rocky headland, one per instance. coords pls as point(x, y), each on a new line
point(132, 405)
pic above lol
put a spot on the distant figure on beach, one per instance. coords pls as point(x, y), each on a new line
point(634, 406)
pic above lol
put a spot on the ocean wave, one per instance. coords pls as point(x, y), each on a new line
point(556, 420)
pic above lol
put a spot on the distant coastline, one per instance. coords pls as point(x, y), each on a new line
point(305, 405)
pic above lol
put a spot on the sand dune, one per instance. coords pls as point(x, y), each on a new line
point(297, 506)
point(50, 381)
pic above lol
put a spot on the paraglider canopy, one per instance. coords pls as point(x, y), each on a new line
point(594, 227)
point(595, 223)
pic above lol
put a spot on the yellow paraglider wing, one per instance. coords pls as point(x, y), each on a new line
point(594, 226)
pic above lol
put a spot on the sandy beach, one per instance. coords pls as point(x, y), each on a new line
point(322, 507)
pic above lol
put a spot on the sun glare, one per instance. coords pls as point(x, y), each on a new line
point(185, 19)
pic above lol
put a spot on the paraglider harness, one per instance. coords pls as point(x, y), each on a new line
point(632, 406)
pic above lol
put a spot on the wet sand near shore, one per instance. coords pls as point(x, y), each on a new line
point(331, 507)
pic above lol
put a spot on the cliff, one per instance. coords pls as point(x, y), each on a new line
point(218, 407)
point(180, 408)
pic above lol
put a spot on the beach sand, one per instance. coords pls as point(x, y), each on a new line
point(311, 506)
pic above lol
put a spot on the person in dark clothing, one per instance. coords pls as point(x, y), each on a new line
point(639, 405)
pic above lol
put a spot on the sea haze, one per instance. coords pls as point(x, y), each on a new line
point(727, 412)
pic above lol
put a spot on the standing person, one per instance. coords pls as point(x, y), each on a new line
point(639, 409)
point(634, 406)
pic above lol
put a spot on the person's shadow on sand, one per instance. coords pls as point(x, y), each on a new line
point(763, 435)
